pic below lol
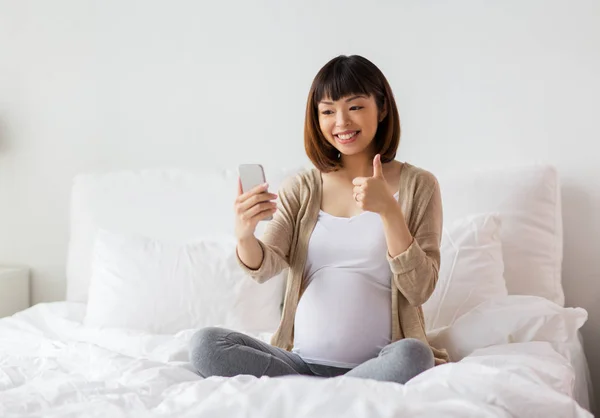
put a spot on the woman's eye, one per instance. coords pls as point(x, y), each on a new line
point(356, 107)
point(326, 112)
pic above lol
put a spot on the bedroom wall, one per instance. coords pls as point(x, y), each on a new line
point(128, 84)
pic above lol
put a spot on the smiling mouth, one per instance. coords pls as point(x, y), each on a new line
point(346, 137)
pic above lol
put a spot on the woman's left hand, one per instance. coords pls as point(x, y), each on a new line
point(372, 193)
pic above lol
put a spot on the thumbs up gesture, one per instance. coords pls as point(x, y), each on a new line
point(372, 193)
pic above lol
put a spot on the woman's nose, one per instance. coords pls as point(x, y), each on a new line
point(341, 119)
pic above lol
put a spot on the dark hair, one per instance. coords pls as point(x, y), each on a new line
point(341, 77)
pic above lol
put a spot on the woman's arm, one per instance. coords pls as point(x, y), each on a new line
point(415, 261)
point(250, 252)
point(397, 235)
point(268, 256)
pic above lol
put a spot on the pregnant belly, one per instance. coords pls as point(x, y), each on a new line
point(342, 319)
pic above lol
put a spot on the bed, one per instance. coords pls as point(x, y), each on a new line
point(112, 348)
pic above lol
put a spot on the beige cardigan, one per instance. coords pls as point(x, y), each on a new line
point(415, 271)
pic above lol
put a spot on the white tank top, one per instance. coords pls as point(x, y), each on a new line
point(346, 256)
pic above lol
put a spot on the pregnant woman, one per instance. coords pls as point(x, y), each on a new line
point(360, 234)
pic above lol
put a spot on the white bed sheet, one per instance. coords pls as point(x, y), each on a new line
point(51, 366)
point(582, 391)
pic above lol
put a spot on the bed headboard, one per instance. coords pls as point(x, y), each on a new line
point(177, 204)
point(167, 204)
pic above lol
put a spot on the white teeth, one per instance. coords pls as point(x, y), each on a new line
point(347, 136)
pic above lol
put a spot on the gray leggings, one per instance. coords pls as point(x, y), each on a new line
point(222, 352)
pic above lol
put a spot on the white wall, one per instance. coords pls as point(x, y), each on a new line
point(126, 84)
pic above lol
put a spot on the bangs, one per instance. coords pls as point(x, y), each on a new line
point(342, 79)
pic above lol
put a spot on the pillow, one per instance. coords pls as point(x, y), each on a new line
point(471, 269)
point(528, 200)
point(165, 204)
point(511, 319)
point(164, 287)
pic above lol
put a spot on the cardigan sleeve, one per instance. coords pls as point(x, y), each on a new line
point(276, 240)
point(415, 271)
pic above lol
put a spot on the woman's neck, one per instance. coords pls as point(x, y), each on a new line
point(356, 166)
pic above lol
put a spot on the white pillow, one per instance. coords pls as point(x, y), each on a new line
point(165, 287)
point(166, 204)
point(528, 200)
point(511, 319)
point(471, 269)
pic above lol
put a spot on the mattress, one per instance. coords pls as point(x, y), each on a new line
point(52, 365)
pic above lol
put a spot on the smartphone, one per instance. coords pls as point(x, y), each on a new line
point(251, 175)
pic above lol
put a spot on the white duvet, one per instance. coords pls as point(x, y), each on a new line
point(51, 366)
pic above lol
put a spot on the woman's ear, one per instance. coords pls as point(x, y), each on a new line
point(383, 112)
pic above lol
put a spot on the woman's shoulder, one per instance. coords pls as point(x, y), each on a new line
point(412, 173)
point(417, 181)
point(304, 181)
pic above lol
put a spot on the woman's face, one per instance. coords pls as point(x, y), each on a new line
point(350, 123)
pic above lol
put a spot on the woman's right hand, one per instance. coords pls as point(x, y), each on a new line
point(252, 207)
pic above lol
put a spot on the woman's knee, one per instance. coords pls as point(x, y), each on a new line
point(416, 351)
point(203, 348)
